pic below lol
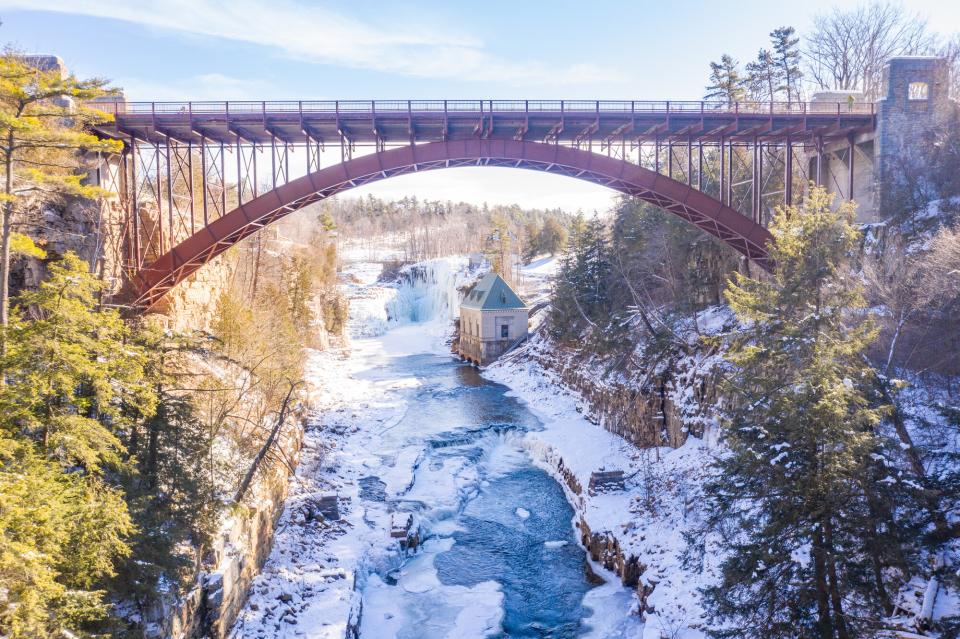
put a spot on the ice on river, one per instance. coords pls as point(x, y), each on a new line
point(403, 429)
point(455, 612)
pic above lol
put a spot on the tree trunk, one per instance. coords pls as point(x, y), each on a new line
point(835, 598)
point(5, 254)
point(875, 560)
point(824, 622)
point(258, 458)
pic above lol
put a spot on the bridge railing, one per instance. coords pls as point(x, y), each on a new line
point(480, 107)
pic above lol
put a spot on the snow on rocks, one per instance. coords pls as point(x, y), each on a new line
point(646, 520)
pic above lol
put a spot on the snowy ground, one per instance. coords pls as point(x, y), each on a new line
point(307, 587)
point(311, 584)
point(648, 518)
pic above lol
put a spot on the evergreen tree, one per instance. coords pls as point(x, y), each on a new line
point(764, 77)
point(72, 370)
point(553, 237)
point(171, 500)
point(593, 271)
point(531, 241)
point(74, 381)
point(43, 124)
point(786, 54)
point(582, 298)
point(726, 82)
point(795, 496)
point(497, 247)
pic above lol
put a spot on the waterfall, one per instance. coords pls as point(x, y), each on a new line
point(429, 290)
point(423, 292)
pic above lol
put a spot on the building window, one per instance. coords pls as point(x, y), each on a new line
point(504, 330)
point(918, 91)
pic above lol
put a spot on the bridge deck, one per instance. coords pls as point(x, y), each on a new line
point(403, 121)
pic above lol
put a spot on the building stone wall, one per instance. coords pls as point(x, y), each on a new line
point(902, 124)
point(905, 121)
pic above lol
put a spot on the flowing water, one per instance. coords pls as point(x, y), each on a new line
point(498, 554)
point(500, 558)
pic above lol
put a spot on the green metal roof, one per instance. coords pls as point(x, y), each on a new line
point(492, 293)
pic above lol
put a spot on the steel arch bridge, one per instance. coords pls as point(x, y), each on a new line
point(721, 167)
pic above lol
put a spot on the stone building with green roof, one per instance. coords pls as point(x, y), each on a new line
point(492, 319)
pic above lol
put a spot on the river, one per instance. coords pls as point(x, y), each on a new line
point(405, 428)
point(500, 557)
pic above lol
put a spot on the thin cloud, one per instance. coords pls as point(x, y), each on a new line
point(206, 86)
point(315, 34)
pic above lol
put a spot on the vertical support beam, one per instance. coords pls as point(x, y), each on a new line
point(689, 161)
point(656, 155)
point(819, 176)
point(203, 179)
point(788, 173)
point(158, 197)
point(223, 181)
point(753, 180)
point(273, 159)
point(852, 150)
point(730, 173)
point(239, 173)
point(192, 194)
point(759, 155)
point(700, 164)
point(134, 207)
point(286, 162)
point(722, 147)
point(309, 145)
point(256, 188)
point(169, 193)
point(670, 158)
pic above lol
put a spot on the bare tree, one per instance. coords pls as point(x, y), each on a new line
point(848, 49)
point(950, 49)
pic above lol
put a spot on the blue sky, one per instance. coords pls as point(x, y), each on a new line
point(360, 49)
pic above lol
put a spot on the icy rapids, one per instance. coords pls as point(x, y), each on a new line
point(406, 428)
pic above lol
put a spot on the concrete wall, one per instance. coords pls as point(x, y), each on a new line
point(835, 174)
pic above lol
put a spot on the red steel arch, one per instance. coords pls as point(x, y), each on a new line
point(698, 208)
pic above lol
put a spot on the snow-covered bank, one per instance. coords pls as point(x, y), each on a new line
point(642, 525)
point(374, 446)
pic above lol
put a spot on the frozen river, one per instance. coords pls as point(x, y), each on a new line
point(405, 429)
point(500, 557)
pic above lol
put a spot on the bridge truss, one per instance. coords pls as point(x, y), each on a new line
point(187, 165)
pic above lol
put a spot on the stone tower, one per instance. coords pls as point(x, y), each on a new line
point(915, 102)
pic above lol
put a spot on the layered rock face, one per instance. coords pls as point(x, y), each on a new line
point(235, 557)
point(658, 406)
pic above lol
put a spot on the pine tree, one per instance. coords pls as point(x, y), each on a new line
point(795, 496)
point(74, 381)
point(725, 81)
point(553, 237)
point(531, 241)
point(43, 124)
point(71, 370)
point(171, 501)
point(786, 54)
point(582, 297)
point(497, 246)
point(764, 77)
